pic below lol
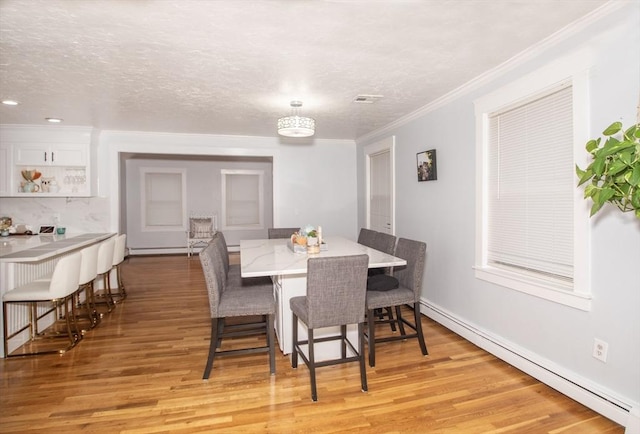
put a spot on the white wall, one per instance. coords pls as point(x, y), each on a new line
point(442, 213)
point(313, 180)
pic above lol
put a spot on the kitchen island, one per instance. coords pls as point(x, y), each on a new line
point(24, 258)
point(288, 271)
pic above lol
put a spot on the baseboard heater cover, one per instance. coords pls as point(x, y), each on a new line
point(579, 389)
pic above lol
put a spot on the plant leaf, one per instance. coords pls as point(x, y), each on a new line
point(606, 194)
point(590, 190)
point(616, 167)
point(635, 199)
point(613, 129)
point(592, 145)
point(598, 165)
point(635, 176)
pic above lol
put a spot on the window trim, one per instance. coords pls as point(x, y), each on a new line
point(575, 71)
point(223, 184)
point(143, 199)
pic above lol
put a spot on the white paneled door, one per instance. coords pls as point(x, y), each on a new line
point(380, 207)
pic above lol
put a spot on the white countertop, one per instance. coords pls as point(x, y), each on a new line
point(274, 257)
point(34, 248)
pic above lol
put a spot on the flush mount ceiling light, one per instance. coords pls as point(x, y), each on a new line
point(54, 120)
point(296, 125)
point(9, 102)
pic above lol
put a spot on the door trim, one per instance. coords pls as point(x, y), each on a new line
point(386, 144)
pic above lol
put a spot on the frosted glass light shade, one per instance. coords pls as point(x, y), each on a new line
point(296, 126)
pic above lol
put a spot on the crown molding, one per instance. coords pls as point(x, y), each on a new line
point(515, 61)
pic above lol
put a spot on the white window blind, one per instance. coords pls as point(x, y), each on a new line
point(242, 199)
point(531, 187)
point(163, 202)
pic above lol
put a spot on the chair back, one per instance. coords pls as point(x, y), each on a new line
point(119, 249)
point(66, 276)
point(410, 276)
point(213, 276)
point(274, 233)
point(105, 255)
point(366, 237)
point(89, 264)
point(221, 244)
point(202, 226)
point(336, 290)
point(384, 242)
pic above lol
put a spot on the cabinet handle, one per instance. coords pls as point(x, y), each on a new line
point(45, 156)
point(52, 159)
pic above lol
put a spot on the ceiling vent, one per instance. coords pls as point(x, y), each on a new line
point(367, 99)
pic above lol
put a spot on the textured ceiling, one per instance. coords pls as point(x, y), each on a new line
point(232, 67)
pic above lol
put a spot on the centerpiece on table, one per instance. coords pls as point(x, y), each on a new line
point(307, 240)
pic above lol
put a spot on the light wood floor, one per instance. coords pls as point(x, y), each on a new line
point(140, 371)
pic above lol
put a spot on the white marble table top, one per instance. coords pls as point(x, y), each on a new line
point(274, 257)
point(34, 248)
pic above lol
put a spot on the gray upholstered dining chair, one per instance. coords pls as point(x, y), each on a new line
point(385, 243)
point(408, 292)
point(336, 288)
point(233, 272)
point(281, 232)
point(250, 302)
point(366, 237)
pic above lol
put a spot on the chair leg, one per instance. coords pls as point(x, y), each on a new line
point(343, 341)
point(271, 342)
point(294, 353)
point(416, 316)
point(213, 344)
point(312, 367)
point(363, 369)
point(122, 291)
point(372, 337)
point(392, 323)
point(399, 321)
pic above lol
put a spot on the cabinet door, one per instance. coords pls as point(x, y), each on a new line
point(68, 155)
point(31, 154)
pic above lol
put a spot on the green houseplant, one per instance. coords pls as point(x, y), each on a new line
point(614, 173)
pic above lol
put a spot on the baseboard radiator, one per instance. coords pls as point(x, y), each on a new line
point(578, 388)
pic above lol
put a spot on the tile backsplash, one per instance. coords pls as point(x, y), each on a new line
point(81, 214)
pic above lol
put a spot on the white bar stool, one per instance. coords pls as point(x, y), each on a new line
point(118, 258)
point(105, 262)
point(59, 291)
point(88, 273)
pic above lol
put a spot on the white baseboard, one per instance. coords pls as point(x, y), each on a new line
point(578, 388)
point(160, 251)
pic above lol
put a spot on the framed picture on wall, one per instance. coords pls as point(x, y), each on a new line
point(427, 169)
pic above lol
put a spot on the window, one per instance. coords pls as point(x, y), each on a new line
point(163, 204)
point(532, 230)
point(242, 199)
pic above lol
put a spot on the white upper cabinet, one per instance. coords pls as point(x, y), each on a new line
point(38, 154)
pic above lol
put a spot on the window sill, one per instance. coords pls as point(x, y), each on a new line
point(535, 287)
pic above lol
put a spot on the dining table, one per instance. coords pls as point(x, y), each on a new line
point(287, 268)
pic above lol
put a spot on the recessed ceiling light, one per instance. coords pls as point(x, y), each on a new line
point(54, 120)
point(9, 102)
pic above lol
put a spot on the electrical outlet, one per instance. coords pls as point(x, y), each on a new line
point(600, 349)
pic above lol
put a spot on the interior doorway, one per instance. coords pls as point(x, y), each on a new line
point(380, 185)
